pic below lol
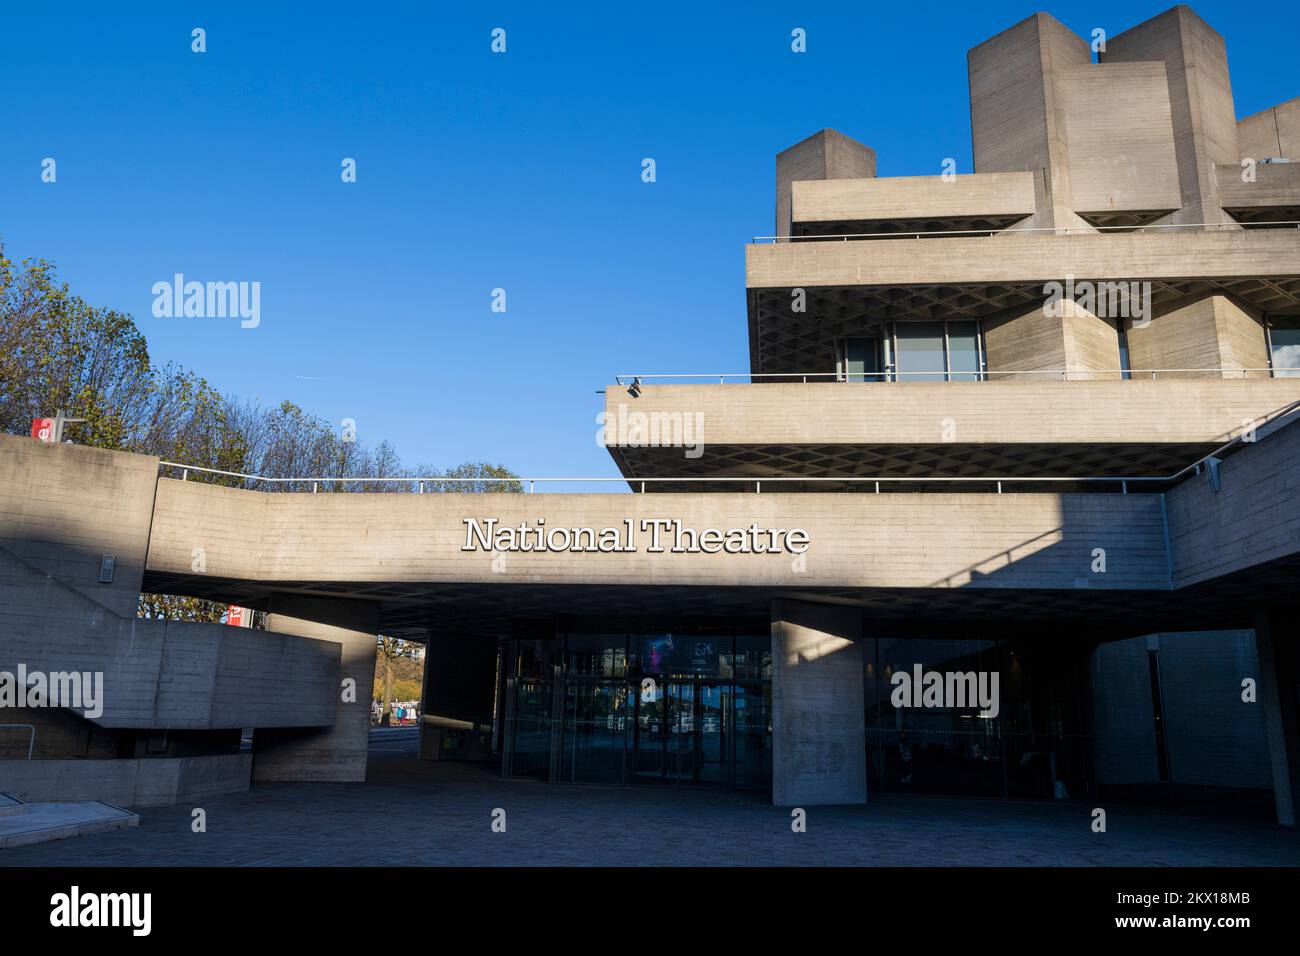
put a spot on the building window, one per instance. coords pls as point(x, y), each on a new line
point(919, 353)
point(1125, 369)
point(964, 364)
point(1284, 347)
point(929, 351)
point(858, 359)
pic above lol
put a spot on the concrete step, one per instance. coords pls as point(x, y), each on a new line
point(11, 805)
point(58, 821)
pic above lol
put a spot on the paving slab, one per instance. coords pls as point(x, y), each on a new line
point(43, 822)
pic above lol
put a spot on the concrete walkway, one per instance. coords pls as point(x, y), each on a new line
point(420, 813)
point(23, 824)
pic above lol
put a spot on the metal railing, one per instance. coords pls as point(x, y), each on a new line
point(31, 741)
point(1232, 226)
point(998, 481)
point(858, 378)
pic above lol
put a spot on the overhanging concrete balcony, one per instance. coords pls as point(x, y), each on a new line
point(847, 285)
point(1273, 197)
point(928, 429)
point(1010, 258)
point(911, 203)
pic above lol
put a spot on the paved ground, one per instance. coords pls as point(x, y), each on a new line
point(414, 812)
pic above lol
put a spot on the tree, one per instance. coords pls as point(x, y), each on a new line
point(390, 652)
point(477, 469)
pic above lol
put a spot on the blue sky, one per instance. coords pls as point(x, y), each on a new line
point(476, 171)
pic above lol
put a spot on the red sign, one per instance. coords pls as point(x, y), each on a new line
point(237, 616)
point(43, 429)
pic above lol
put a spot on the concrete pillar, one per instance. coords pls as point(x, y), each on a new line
point(1017, 119)
point(826, 154)
point(1200, 101)
point(1277, 643)
point(337, 753)
point(819, 751)
point(459, 694)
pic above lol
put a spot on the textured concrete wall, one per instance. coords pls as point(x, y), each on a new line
point(1120, 137)
point(163, 674)
point(864, 540)
point(1027, 339)
point(339, 752)
point(1200, 99)
point(1011, 409)
point(1274, 132)
point(143, 782)
point(819, 751)
point(1252, 519)
point(62, 507)
point(914, 197)
point(131, 782)
point(827, 154)
point(1016, 114)
point(1214, 738)
point(1024, 339)
point(1274, 190)
point(1091, 343)
point(1214, 332)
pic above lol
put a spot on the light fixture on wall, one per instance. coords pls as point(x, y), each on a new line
point(635, 388)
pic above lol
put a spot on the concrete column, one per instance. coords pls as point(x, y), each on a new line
point(1277, 642)
point(459, 687)
point(819, 751)
point(337, 753)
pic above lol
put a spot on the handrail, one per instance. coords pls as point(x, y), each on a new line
point(1233, 226)
point(1123, 480)
point(31, 742)
point(983, 375)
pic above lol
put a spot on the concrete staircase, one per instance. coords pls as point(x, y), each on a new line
point(22, 823)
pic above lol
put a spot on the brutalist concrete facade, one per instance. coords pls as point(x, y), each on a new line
point(1088, 479)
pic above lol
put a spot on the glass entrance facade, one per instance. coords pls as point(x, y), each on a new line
point(1037, 745)
point(689, 706)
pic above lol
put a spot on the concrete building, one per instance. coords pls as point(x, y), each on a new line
point(1030, 429)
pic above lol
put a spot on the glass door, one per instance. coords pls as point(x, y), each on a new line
point(715, 732)
point(752, 734)
point(683, 731)
point(595, 722)
point(648, 759)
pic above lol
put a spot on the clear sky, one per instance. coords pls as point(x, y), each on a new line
point(476, 171)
